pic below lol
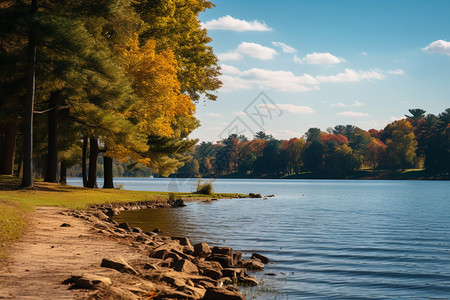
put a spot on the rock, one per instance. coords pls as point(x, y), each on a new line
point(150, 234)
point(206, 284)
point(262, 258)
point(88, 281)
point(187, 246)
point(212, 273)
point(161, 254)
point(169, 246)
point(237, 258)
point(168, 263)
point(100, 215)
point(247, 281)
point(137, 230)
point(120, 265)
point(178, 203)
point(65, 225)
point(201, 250)
point(173, 281)
point(124, 226)
point(186, 266)
point(253, 264)
point(203, 264)
point(233, 272)
point(222, 294)
point(156, 230)
point(252, 195)
point(222, 250)
point(224, 260)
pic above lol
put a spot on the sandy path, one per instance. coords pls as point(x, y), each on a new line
point(48, 254)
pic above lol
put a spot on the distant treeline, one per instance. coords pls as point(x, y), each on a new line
point(418, 141)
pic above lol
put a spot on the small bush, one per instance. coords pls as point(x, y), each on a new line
point(205, 188)
point(171, 198)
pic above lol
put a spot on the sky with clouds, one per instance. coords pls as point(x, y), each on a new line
point(291, 65)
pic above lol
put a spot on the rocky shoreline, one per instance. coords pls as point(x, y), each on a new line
point(175, 269)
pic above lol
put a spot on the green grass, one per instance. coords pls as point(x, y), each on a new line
point(15, 202)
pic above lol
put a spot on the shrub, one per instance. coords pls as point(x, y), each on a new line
point(205, 188)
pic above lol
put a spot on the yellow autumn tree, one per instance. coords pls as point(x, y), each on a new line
point(159, 108)
point(158, 100)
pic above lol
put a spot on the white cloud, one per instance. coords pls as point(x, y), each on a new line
point(249, 49)
point(229, 23)
point(295, 109)
point(231, 83)
point(396, 72)
point(256, 51)
point(352, 114)
point(227, 69)
point(239, 113)
point(213, 115)
point(319, 59)
point(364, 53)
point(232, 55)
point(284, 47)
point(350, 75)
point(234, 79)
point(355, 104)
point(439, 47)
point(287, 81)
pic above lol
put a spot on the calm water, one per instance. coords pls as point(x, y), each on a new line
point(327, 238)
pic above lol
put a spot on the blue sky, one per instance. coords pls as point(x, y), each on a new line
point(324, 63)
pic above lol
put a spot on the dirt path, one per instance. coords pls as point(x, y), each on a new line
point(48, 254)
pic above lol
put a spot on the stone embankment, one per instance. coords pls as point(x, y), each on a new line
point(173, 268)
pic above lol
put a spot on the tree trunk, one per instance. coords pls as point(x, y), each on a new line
point(9, 150)
point(51, 169)
point(93, 155)
point(108, 172)
point(63, 173)
point(83, 162)
point(27, 178)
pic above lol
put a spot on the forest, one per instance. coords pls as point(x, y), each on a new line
point(114, 78)
point(418, 141)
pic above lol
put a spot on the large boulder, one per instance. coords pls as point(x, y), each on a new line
point(212, 273)
point(253, 264)
point(226, 261)
point(262, 258)
point(222, 251)
point(201, 250)
point(186, 266)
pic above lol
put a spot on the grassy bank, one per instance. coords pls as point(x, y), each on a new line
point(15, 203)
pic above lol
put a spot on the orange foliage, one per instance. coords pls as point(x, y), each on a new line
point(156, 87)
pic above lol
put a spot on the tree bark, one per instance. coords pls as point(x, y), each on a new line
point(63, 173)
point(108, 172)
point(9, 149)
point(51, 169)
point(83, 162)
point(93, 155)
point(27, 178)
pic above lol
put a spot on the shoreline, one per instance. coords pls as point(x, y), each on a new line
point(163, 267)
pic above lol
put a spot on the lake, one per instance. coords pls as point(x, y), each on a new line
point(339, 239)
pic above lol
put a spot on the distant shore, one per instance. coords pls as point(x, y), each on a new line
point(359, 175)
